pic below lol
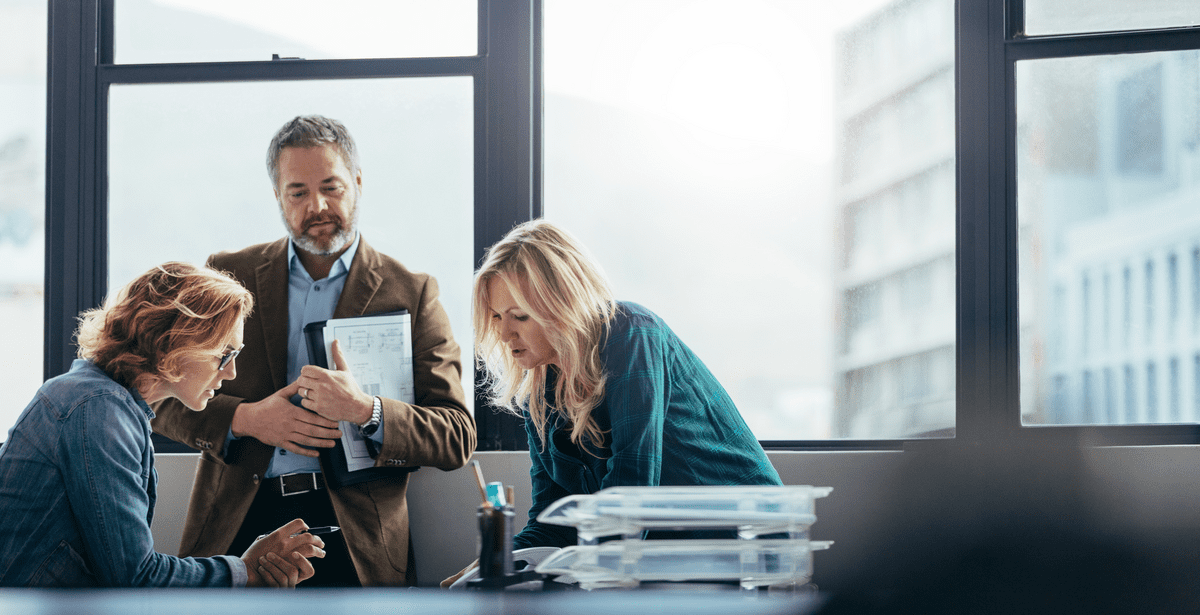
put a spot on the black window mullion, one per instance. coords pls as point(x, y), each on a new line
point(105, 27)
point(1014, 19)
point(1115, 435)
point(536, 101)
point(76, 255)
point(1103, 43)
point(286, 70)
point(508, 84)
point(988, 388)
point(509, 193)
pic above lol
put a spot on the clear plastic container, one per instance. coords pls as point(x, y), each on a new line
point(627, 563)
point(752, 510)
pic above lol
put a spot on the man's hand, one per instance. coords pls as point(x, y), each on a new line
point(335, 394)
point(274, 571)
point(280, 559)
point(458, 575)
point(276, 421)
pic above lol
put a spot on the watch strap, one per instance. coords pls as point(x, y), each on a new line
point(372, 423)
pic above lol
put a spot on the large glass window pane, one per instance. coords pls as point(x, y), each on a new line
point(156, 31)
point(775, 179)
point(22, 202)
point(188, 177)
point(1109, 215)
point(1074, 16)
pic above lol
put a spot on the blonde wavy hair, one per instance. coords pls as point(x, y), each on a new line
point(172, 314)
point(554, 280)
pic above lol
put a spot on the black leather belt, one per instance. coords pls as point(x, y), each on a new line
point(295, 484)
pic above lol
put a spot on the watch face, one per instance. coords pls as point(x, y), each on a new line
point(369, 429)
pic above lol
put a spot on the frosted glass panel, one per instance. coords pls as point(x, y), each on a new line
point(155, 31)
point(792, 221)
point(1109, 212)
point(1076, 16)
point(22, 202)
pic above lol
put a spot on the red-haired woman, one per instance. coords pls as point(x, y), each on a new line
point(77, 479)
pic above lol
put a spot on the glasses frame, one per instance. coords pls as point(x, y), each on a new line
point(228, 358)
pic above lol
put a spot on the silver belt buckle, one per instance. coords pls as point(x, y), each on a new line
point(283, 487)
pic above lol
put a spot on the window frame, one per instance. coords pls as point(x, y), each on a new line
point(505, 73)
point(989, 41)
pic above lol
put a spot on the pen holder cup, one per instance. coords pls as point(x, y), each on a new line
point(495, 541)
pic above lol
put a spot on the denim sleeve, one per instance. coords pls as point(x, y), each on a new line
point(636, 396)
point(108, 480)
point(237, 568)
point(545, 493)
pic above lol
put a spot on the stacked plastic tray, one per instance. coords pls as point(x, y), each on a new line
point(772, 547)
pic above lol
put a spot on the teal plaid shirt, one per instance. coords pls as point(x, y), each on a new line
point(667, 422)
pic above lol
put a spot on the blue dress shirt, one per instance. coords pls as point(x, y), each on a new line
point(309, 301)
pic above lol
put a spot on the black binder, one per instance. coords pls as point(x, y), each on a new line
point(333, 460)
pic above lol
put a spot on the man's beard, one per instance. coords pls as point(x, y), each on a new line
point(340, 239)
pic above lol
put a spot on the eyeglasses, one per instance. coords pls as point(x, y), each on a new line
point(228, 358)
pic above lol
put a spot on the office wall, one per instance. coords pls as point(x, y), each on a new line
point(1156, 485)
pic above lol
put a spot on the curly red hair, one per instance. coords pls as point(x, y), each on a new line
point(169, 315)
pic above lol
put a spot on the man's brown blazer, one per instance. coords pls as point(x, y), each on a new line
point(437, 431)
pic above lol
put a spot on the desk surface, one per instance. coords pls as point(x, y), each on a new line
point(425, 601)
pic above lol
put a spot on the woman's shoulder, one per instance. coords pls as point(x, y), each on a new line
point(635, 324)
point(84, 382)
point(630, 315)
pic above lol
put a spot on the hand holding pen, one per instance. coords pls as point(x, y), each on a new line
point(280, 559)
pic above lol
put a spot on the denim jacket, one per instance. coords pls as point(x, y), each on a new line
point(77, 490)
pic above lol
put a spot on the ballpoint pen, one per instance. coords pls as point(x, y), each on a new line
point(319, 530)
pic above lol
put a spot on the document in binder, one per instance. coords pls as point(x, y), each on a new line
point(378, 351)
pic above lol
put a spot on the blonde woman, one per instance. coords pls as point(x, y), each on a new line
point(609, 394)
point(77, 479)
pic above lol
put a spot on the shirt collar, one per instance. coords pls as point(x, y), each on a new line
point(341, 266)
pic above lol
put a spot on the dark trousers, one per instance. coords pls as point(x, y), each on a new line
point(271, 510)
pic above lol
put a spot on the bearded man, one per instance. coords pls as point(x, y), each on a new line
point(260, 437)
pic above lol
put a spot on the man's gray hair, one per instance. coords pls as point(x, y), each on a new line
point(311, 131)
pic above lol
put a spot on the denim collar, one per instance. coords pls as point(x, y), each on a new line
point(89, 366)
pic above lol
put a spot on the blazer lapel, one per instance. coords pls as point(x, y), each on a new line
point(362, 283)
point(271, 278)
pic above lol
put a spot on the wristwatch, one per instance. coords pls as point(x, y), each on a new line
point(372, 425)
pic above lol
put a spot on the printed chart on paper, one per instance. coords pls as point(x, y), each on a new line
point(378, 351)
